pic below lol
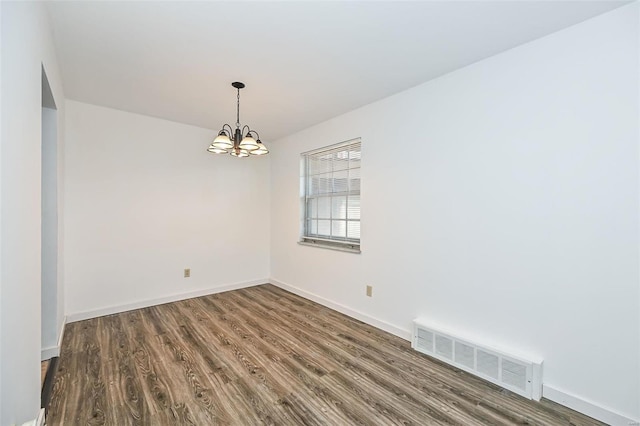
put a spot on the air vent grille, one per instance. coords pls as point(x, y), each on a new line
point(514, 374)
point(444, 346)
point(465, 354)
point(488, 364)
point(425, 340)
point(520, 375)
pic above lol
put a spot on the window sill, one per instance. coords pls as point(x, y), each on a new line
point(337, 247)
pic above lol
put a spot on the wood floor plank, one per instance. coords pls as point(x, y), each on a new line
point(262, 355)
point(154, 377)
point(125, 388)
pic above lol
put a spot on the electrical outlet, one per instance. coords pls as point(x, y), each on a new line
point(187, 272)
point(369, 290)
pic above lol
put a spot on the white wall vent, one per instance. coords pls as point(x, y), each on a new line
point(521, 375)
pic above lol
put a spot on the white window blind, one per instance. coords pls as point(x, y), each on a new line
point(331, 195)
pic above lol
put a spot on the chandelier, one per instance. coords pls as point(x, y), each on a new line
point(241, 142)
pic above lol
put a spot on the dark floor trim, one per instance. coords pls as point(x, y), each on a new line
point(47, 387)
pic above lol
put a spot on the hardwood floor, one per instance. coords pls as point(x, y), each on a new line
point(43, 371)
point(48, 370)
point(262, 355)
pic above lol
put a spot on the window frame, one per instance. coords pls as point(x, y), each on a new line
point(307, 237)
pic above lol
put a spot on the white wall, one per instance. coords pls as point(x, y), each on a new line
point(1, 239)
point(501, 200)
point(26, 48)
point(144, 201)
point(49, 232)
point(1, 222)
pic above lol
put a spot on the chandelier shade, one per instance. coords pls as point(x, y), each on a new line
point(248, 143)
point(239, 143)
point(215, 150)
point(262, 150)
point(240, 153)
point(222, 141)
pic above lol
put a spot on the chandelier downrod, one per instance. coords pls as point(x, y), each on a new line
point(238, 85)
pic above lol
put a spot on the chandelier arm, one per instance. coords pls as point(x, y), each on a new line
point(230, 129)
point(248, 130)
point(256, 133)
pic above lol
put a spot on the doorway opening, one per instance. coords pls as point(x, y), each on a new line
point(49, 296)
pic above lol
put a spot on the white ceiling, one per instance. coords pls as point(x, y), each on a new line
point(302, 62)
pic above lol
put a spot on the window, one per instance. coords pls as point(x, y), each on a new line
point(330, 196)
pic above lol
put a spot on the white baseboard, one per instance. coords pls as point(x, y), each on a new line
point(61, 331)
point(587, 407)
point(53, 351)
point(79, 316)
point(397, 331)
point(50, 352)
point(38, 421)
